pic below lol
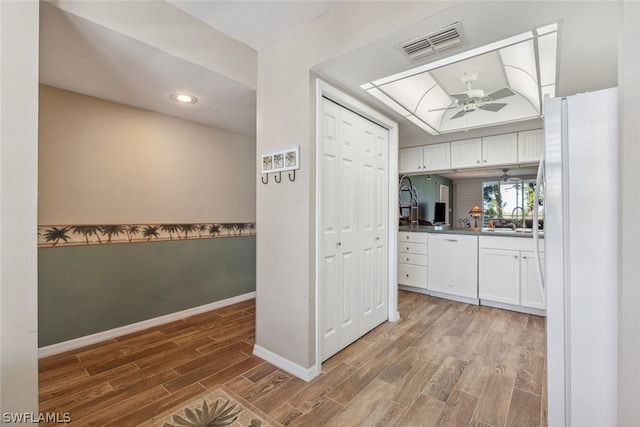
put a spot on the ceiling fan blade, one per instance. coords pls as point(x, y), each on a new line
point(460, 114)
point(460, 97)
point(501, 93)
point(446, 108)
point(496, 106)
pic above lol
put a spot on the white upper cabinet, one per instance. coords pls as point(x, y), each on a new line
point(466, 153)
point(530, 146)
point(489, 151)
point(410, 160)
point(437, 157)
point(500, 150)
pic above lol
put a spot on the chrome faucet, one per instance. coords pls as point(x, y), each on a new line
point(513, 212)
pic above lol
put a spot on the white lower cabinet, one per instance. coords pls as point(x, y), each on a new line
point(453, 265)
point(499, 274)
point(530, 291)
point(412, 259)
point(507, 272)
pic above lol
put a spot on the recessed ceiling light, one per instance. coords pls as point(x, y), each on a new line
point(184, 98)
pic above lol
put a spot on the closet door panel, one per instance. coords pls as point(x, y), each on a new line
point(366, 234)
point(330, 269)
point(373, 236)
point(348, 138)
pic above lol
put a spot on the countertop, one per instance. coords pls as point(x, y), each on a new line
point(469, 231)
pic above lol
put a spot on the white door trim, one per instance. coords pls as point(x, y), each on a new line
point(323, 89)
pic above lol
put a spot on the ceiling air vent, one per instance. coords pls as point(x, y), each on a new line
point(430, 44)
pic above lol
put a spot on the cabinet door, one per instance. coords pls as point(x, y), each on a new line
point(437, 157)
point(453, 264)
point(530, 146)
point(530, 292)
point(410, 160)
point(500, 150)
point(499, 275)
point(412, 275)
point(466, 153)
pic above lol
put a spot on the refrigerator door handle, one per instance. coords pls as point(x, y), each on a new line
point(536, 238)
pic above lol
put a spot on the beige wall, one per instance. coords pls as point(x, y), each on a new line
point(106, 163)
point(629, 287)
point(286, 212)
point(18, 181)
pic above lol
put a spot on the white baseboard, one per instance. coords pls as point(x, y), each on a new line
point(511, 307)
point(466, 300)
point(306, 374)
point(75, 343)
point(413, 289)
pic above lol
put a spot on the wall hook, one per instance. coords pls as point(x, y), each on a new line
point(262, 179)
point(279, 179)
point(294, 176)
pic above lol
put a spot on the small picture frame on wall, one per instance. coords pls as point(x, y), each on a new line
point(281, 159)
point(291, 158)
point(278, 161)
point(267, 163)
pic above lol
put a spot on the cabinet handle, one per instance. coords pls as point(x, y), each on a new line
point(515, 256)
point(407, 259)
point(407, 274)
point(451, 240)
point(377, 238)
point(339, 244)
point(407, 248)
point(478, 161)
point(408, 237)
point(485, 160)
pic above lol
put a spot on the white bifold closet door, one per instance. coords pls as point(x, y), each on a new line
point(354, 200)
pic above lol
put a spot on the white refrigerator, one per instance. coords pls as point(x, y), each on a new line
point(581, 246)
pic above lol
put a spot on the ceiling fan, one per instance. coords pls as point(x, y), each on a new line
point(473, 99)
point(505, 177)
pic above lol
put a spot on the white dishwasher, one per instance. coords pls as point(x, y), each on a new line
point(453, 266)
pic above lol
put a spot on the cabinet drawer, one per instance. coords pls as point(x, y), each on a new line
point(405, 236)
point(412, 248)
point(509, 243)
point(410, 258)
point(412, 275)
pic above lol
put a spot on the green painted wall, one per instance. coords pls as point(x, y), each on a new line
point(429, 192)
point(83, 290)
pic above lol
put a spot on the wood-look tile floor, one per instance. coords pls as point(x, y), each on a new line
point(443, 364)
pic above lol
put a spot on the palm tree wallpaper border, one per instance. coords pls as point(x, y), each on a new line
point(50, 236)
